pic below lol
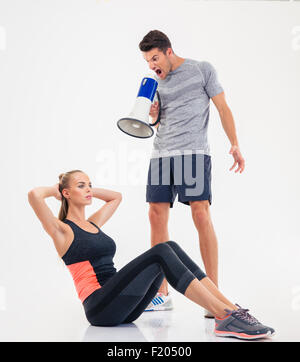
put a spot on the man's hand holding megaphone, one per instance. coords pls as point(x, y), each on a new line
point(154, 110)
point(137, 123)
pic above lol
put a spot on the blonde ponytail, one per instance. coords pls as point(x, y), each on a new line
point(64, 179)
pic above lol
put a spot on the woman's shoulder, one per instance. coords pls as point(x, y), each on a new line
point(63, 239)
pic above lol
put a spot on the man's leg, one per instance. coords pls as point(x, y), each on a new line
point(207, 238)
point(159, 216)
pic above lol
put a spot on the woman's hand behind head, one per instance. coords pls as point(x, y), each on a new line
point(57, 193)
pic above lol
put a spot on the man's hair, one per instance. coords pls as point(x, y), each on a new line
point(155, 39)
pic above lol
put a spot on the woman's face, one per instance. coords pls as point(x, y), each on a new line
point(79, 191)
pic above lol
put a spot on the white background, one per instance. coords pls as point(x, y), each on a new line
point(68, 71)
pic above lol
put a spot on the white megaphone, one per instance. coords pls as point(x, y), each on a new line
point(137, 123)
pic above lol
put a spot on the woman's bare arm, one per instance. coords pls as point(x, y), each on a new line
point(112, 199)
point(52, 225)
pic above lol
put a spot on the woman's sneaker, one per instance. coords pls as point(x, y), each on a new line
point(240, 324)
point(160, 302)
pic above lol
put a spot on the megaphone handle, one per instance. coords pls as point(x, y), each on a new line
point(159, 111)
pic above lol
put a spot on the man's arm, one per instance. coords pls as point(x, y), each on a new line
point(230, 130)
point(226, 118)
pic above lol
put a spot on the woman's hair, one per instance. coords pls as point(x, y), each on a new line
point(64, 181)
point(155, 39)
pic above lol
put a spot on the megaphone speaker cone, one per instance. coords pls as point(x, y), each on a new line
point(135, 127)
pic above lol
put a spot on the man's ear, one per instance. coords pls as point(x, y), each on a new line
point(169, 51)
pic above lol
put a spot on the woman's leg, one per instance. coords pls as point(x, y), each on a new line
point(194, 268)
point(140, 308)
point(200, 294)
point(191, 292)
point(122, 294)
point(123, 297)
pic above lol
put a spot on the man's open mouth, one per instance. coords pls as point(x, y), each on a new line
point(158, 72)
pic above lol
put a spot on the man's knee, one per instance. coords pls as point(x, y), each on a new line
point(158, 213)
point(200, 211)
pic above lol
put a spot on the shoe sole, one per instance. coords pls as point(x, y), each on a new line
point(243, 335)
point(158, 309)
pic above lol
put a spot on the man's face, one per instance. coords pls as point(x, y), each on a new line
point(159, 62)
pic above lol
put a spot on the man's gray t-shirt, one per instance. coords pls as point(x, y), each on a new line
point(185, 98)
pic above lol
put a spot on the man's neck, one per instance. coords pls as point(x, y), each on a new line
point(177, 62)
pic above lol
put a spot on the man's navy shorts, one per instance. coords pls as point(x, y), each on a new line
point(189, 176)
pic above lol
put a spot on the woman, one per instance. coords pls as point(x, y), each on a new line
point(109, 297)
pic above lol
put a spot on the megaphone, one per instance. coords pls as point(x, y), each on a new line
point(137, 123)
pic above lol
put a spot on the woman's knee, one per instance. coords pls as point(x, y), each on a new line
point(173, 244)
point(161, 248)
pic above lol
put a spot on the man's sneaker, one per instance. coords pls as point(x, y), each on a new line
point(240, 324)
point(160, 302)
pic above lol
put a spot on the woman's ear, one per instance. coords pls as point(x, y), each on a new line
point(65, 193)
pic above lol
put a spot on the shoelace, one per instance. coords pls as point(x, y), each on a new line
point(243, 315)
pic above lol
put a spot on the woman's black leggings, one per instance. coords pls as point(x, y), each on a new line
point(125, 296)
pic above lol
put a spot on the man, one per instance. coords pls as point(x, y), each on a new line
point(185, 87)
